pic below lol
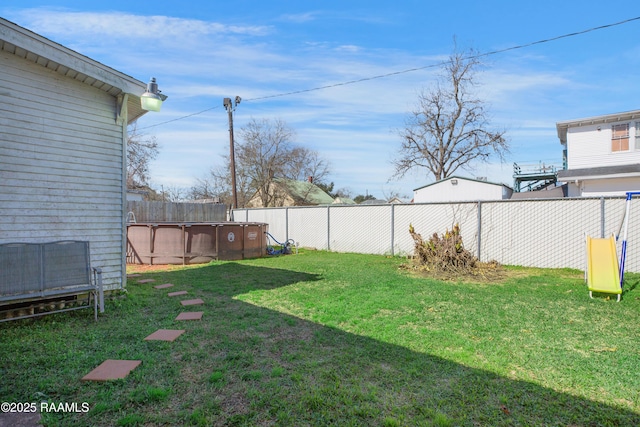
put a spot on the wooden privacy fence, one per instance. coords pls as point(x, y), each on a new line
point(144, 211)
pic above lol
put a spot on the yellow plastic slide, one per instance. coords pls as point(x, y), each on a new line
point(602, 266)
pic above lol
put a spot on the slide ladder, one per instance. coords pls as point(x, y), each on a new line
point(603, 273)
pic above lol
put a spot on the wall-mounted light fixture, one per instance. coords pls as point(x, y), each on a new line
point(152, 99)
point(454, 182)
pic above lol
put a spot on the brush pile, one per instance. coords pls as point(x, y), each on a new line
point(444, 256)
point(443, 253)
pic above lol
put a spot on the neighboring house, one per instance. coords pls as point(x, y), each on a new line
point(63, 133)
point(460, 189)
point(373, 202)
point(287, 192)
point(392, 201)
point(343, 201)
point(136, 195)
point(396, 201)
point(602, 154)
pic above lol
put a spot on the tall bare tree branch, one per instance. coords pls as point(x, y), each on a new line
point(265, 150)
point(449, 129)
point(141, 150)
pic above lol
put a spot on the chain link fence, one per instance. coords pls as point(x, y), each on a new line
point(532, 233)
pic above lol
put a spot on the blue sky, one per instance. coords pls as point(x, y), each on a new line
point(203, 51)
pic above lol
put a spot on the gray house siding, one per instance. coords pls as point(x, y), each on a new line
point(61, 163)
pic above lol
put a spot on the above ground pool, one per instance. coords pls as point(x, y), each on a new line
point(194, 243)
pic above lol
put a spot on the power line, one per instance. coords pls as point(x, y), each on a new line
point(180, 118)
point(564, 36)
point(411, 70)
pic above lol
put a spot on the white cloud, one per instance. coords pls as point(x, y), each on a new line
point(124, 25)
point(349, 48)
point(299, 18)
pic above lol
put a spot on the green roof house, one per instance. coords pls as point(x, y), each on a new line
point(288, 192)
point(343, 201)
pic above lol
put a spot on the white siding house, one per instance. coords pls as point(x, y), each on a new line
point(63, 131)
point(461, 189)
point(602, 154)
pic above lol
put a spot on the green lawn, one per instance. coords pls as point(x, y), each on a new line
point(324, 338)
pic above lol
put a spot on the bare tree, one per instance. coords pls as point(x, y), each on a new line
point(217, 184)
point(449, 129)
point(209, 187)
point(173, 193)
point(265, 152)
point(305, 163)
point(141, 150)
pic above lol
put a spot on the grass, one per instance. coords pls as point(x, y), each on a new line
point(339, 339)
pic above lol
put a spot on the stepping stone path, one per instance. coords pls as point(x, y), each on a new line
point(196, 301)
point(112, 370)
point(20, 419)
point(117, 369)
point(190, 315)
point(175, 294)
point(165, 335)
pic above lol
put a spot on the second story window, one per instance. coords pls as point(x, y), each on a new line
point(620, 137)
point(637, 147)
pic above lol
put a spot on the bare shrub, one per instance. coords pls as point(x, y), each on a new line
point(444, 256)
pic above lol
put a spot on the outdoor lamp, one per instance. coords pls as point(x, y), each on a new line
point(152, 99)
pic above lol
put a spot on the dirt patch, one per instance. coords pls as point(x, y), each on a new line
point(481, 273)
point(145, 268)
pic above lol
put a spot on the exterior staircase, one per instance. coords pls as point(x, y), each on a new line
point(533, 177)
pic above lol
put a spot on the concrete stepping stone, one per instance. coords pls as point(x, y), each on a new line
point(191, 315)
point(129, 276)
point(112, 370)
point(165, 335)
point(175, 294)
point(163, 286)
point(146, 280)
point(196, 301)
point(20, 419)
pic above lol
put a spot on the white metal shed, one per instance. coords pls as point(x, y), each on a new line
point(460, 189)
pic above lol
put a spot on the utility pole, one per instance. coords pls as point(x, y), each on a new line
point(231, 107)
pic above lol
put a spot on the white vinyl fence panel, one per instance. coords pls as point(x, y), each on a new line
point(309, 227)
point(363, 229)
point(534, 233)
point(539, 233)
point(275, 218)
point(428, 219)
